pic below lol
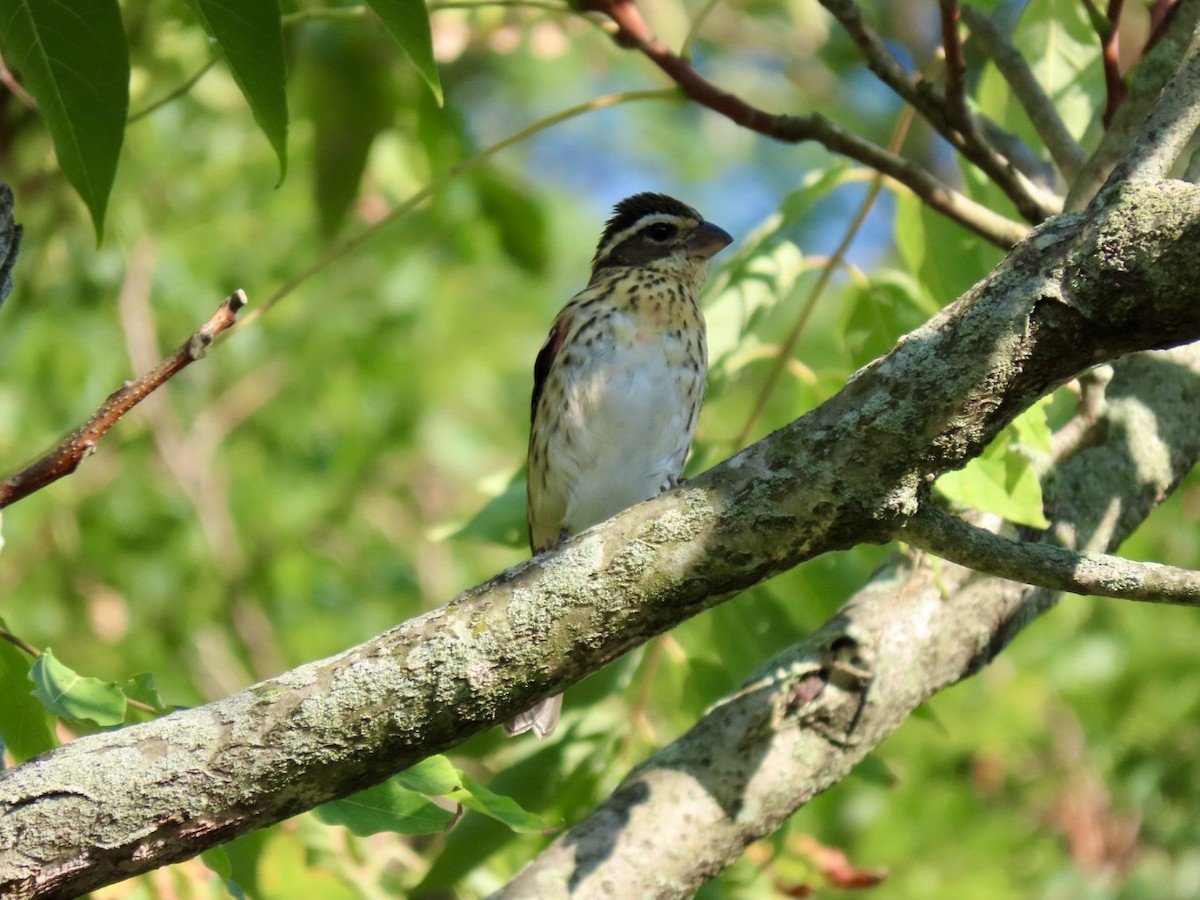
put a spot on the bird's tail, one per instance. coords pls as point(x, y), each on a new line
point(540, 720)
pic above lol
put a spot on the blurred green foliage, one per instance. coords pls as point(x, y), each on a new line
point(346, 458)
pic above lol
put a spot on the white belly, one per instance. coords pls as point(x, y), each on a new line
point(630, 424)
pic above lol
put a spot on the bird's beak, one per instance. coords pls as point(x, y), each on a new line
point(707, 240)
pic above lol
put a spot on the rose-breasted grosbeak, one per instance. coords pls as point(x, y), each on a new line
point(617, 385)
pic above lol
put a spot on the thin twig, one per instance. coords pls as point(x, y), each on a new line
point(173, 95)
point(1032, 201)
point(71, 451)
point(1042, 113)
point(784, 356)
point(1047, 565)
point(1114, 82)
point(9, 80)
point(466, 165)
point(20, 643)
point(634, 33)
point(956, 67)
point(1170, 126)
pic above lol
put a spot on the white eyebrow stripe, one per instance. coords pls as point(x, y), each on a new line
point(637, 226)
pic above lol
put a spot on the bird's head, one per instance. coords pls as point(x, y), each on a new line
point(654, 231)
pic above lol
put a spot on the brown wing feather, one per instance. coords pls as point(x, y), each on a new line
point(542, 534)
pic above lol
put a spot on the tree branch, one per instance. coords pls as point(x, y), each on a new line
point(1110, 50)
point(808, 715)
point(956, 67)
point(1046, 565)
point(1080, 290)
point(1068, 156)
point(1156, 68)
point(1170, 125)
point(75, 447)
point(1034, 203)
point(633, 32)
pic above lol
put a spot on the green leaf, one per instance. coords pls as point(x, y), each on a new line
point(408, 22)
point(1060, 42)
point(72, 696)
point(1004, 480)
point(218, 860)
point(944, 257)
point(74, 60)
point(141, 687)
point(891, 304)
point(500, 521)
point(350, 95)
point(386, 807)
point(518, 219)
point(24, 726)
point(761, 274)
point(475, 796)
point(434, 777)
point(249, 35)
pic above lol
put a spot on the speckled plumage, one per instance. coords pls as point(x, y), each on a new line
point(619, 381)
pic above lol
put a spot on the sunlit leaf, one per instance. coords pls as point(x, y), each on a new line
point(386, 807)
point(74, 60)
point(501, 520)
point(890, 305)
point(476, 797)
point(24, 724)
point(76, 697)
point(1004, 479)
point(433, 776)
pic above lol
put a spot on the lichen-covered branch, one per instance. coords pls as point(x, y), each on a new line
point(1081, 289)
point(1173, 37)
point(1046, 565)
point(808, 715)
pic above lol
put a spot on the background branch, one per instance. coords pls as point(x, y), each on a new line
point(71, 451)
point(808, 715)
point(1156, 68)
point(1068, 156)
point(633, 32)
point(1170, 125)
point(952, 538)
point(171, 788)
point(1034, 203)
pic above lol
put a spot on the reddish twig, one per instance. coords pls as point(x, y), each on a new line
point(634, 33)
point(1034, 203)
point(9, 80)
point(1114, 82)
point(1160, 18)
point(956, 67)
point(71, 451)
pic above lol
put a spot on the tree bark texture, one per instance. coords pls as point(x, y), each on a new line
point(1122, 276)
point(813, 711)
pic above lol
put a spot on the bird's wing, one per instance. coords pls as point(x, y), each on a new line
point(544, 512)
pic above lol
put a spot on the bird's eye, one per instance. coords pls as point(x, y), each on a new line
point(660, 231)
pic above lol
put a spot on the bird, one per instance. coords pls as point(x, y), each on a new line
point(618, 383)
